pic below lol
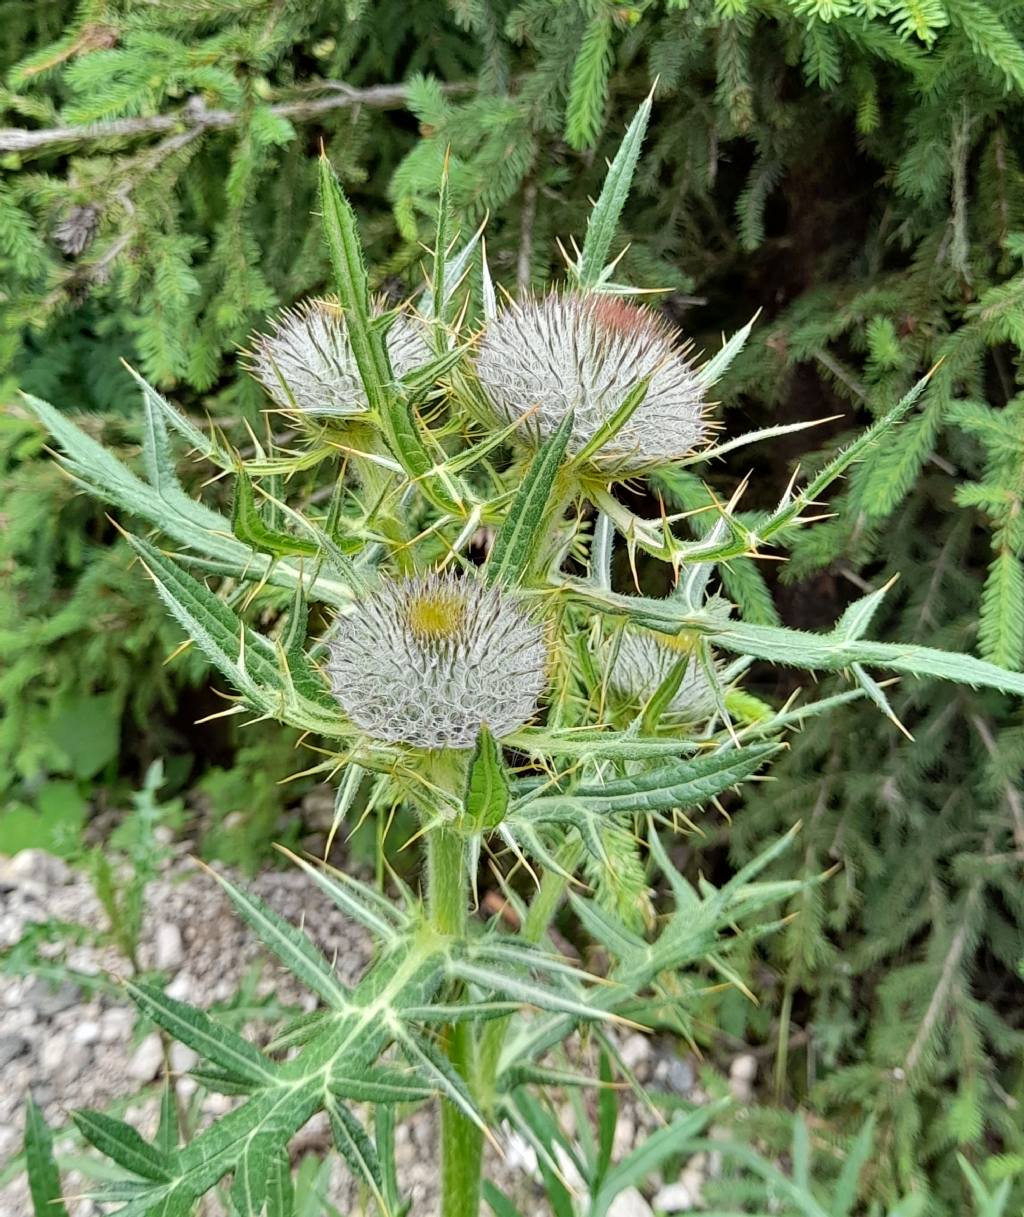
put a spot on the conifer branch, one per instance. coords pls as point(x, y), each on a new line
point(938, 1001)
point(194, 115)
point(947, 978)
point(1013, 800)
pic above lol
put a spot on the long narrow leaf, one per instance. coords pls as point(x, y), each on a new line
point(665, 1142)
point(523, 530)
point(604, 219)
point(680, 785)
point(354, 899)
point(356, 1148)
point(43, 1177)
point(289, 944)
point(346, 255)
point(122, 1143)
point(198, 1031)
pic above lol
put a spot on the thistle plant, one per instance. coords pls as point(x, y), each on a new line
point(543, 721)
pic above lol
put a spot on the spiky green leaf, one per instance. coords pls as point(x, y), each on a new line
point(604, 219)
point(523, 531)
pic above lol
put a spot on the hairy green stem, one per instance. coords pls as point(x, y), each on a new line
point(362, 444)
point(538, 918)
point(447, 882)
point(461, 1140)
point(474, 1054)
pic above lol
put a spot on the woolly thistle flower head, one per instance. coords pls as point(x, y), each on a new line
point(643, 662)
point(569, 351)
point(427, 659)
point(306, 361)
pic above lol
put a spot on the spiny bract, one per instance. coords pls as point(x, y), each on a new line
point(427, 659)
point(306, 361)
point(585, 353)
point(642, 663)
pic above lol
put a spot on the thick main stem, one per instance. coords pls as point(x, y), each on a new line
point(461, 1140)
point(539, 917)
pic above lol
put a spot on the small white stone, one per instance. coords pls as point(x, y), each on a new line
point(674, 1074)
point(217, 1104)
point(49, 1001)
point(223, 990)
point(519, 1155)
point(147, 1059)
point(169, 948)
point(12, 1046)
point(37, 865)
point(180, 987)
point(625, 1136)
point(741, 1076)
point(630, 1203)
point(186, 1088)
point(744, 1067)
point(33, 890)
point(10, 1140)
point(636, 1050)
point(569, 1170)
point(675, 1198)
point(83, 959)
point(61, 1059)
point(693, 1179)
point(87, 1032)
point(183, 1058)
point(52, 1053)
point(116, 1025)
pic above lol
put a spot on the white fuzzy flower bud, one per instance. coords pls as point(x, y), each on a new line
point(306, 361)
point(426, 660)
point(586, 353)
point(642, 663)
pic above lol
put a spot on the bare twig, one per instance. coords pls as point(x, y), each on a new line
point(194, 114)
point(1014, 803)
point(950, 967)
point(840, 373)
point(937, 1005)
point(524, 263)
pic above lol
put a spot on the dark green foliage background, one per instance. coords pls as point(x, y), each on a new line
point(848, 167)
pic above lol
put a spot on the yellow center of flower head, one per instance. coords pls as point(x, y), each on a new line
point(436, 613)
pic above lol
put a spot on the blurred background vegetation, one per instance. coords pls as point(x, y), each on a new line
point(849, 168)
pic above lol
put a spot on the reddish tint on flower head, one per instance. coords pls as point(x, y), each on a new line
point(615, 317)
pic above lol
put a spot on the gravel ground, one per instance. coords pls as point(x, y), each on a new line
point(77, 1045)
